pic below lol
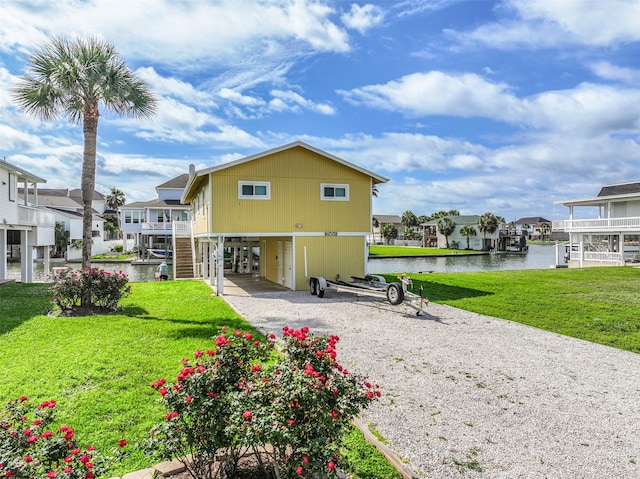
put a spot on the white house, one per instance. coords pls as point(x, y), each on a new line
point(66, 206)
point(150, 223)
point(26, 229)
point(609, 235)
point(433, 238)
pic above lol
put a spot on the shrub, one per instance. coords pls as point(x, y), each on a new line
point(118, 248)
point(100, 288)
point(290, 413)
point(30, 450)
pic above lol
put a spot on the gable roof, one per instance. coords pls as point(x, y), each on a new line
point(199, 174)
point(622, 189)
point(177, 183)
point(532, 220)
point(22, 173)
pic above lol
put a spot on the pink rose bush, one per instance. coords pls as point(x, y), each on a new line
point(103, 288)
point(31, 448)
point(287, 408)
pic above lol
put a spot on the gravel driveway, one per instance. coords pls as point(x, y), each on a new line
point(466, 395)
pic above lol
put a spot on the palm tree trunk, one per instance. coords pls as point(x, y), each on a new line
point(88, 184)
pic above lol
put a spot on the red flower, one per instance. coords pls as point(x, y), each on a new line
point(198, 353)
point(23, 398)
point(89, 475)
point(305, 459)
point(89, 465)
point(37, 422)
point(255, 368)
point(68, 436)
point(299, 470)
point(27, 458)
point(32, 439)
point(334, 415)
point(163, 391)
point(331, 465)
point(68, 459)
point(291, 422)
point(211, 352)
point(47, 434)
point(91, 448)
point(248, 336)
point(122, 442)
point(247, 414)
point(188, 399)
point(68, 469)
point(51, 474)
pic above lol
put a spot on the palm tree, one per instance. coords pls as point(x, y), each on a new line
point(445, 228)
point(114, 200)
point(409, 219)
point(389, 232)
point(487, 223)
point(468, 231)
point(74, 79)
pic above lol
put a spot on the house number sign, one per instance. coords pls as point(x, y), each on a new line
point(331, 233)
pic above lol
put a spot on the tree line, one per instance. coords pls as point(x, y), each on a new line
point(487, 224)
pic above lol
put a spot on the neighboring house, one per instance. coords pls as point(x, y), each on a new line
point(150, 223)
point(67, 208)
point(610, 236)
point(285, 214)
point(376, 235)
point(536, 227)
point(26, 229)
point(430, 231)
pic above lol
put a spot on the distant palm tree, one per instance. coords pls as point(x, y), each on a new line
point(73, 80)
point(488, 223)
point(114, 200)
point(468, 231)
point(389, 232)
point(445, 228)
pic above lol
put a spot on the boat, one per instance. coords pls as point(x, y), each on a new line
point(160, 253)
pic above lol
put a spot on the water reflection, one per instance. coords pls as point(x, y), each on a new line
point(136, 272)
point(539, 257)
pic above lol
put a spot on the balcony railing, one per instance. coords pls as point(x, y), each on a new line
point(31, 216)
point(182, 228)
point(156, 227)
point(603, 225)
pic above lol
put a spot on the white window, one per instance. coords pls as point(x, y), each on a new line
point(254, 190)
point(332, 192)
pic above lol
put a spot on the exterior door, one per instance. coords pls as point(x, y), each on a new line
point(279, 259)
point(288, 264)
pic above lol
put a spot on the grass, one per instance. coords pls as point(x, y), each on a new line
point(99, 368)
point(392, 250)
point(595, 304)
point(364, 460)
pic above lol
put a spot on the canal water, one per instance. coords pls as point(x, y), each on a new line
point(538, 257)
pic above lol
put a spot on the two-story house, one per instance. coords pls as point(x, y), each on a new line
point(610, 233)
point(433, 237)
point(150, 223)
point(285, 214)
point(26, 230)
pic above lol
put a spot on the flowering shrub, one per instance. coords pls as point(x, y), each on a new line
point(100, 288)
point(30, 450)
point(290, 413)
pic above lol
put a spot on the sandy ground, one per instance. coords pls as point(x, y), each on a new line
point(466, 395)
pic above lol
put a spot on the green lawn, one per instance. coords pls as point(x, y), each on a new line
point(100, 368)
point(392, 250)
point(601, 305)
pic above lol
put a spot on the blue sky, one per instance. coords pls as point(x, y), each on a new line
point(501, 106)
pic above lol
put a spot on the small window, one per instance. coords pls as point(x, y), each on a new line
point(12, 187)
point(333, 192)
point(127, 216)
point(255, 190)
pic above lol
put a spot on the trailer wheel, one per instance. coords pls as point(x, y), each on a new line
point(320, 292)
point(313, 286)
point(395, 294)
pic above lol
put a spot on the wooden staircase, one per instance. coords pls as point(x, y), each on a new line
point(183, 258)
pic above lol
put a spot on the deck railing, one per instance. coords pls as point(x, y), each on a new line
point(32, 216)
point(600, 225)
point(156, 226)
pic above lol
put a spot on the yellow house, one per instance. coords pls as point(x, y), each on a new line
point(285, 214)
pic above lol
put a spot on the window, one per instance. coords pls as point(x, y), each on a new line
point(127, 216)
point(254, 190)
point(331, 192)
point(12, 187)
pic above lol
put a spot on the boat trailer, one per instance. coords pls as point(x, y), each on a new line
point(373, 285)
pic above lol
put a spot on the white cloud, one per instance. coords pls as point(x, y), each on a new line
point(363, 18)
point(290, 100)
point(609, 71)
point(175, 88)
point(543, 24)
point(239, 98)
point(438, 93)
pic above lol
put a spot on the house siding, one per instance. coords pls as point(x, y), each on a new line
point(295, 177)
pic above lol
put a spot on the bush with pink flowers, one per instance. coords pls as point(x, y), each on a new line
point(89, 287)
point(29, 449)
point(287, 410)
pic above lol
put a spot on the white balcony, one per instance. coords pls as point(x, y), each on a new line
point(31, 216)
point(601, 225)
point(149, 228)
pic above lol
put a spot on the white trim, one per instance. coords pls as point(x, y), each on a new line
point(253, 184)
point(335, 186)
